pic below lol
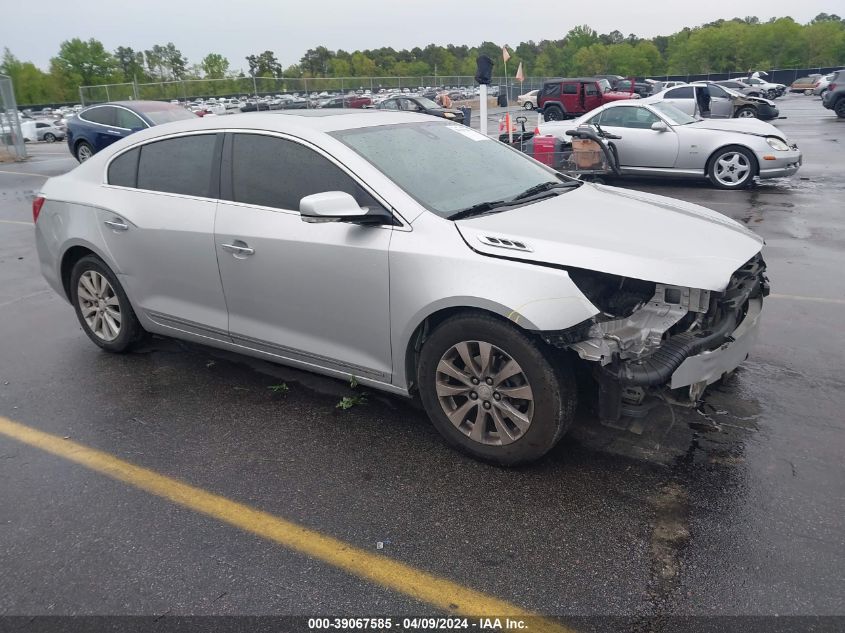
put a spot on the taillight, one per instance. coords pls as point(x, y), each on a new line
point(831, 87)
point(37, 203)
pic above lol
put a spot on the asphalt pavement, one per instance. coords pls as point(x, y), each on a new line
point(734, 509)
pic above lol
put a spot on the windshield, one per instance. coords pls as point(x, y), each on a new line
point(446, 167)
point(675, 115)
point(426, 103)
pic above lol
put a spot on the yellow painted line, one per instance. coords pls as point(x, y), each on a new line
point(814, 299)
point(23, 173)
point(16, 222)
point(443, 594)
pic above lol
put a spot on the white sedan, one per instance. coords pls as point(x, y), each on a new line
point(528, 100)
point(658, 139)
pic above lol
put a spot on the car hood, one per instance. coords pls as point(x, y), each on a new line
point(621, 232)
point(742, 126)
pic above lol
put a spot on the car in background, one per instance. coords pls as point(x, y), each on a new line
point(98, 126)
point(567, 98)
point(611, 79)
point(821, 84)
point(528, 100)
point(49, 132)
point(485, 291)
point(834, 98)
point(638, 86)
point(421, 105)
point(656, 140)
point(741, 87)
point(348, 101)
point(724, 103)
point(767, 89)
point(804, 84)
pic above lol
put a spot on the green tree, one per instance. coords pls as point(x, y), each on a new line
point(264, 65)
point(85, 62)
point(215, 66)
point(130, 62)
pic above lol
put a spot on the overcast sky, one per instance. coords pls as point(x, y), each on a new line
point(33, 30)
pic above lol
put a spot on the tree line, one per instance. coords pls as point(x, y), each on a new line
point(738, 44)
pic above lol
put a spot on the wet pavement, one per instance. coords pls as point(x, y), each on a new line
point(733, 509)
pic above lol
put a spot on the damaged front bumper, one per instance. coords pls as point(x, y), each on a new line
point(680, 338)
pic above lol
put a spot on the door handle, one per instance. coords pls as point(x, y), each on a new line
point(116, 224)
point(237, 250)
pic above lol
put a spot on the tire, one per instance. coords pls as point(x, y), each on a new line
point(93, 286)
point(808, 92)
point(822, 93)
point(50, 137)
point(772, 95)
point(732, 167)
point(528, 105)
point(553, 114)
point(543, 416)
point(746, 112)
point(84, 151)
point(839, 108)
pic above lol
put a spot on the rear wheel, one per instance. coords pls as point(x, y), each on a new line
point(732, 168)
point(49, 137)
point(84, 151)
point(553, 114)
point(746, 112)
point(102, 307)
point(492, 392)
point(528, 105)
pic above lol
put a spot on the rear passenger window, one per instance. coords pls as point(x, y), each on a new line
point(274, 172)
point(178, 165)
point(570, 89)
point(123, 170)
point(684, 92)
point(104, 115)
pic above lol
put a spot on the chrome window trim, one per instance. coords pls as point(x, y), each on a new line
point(114, 127)
point(404, 226)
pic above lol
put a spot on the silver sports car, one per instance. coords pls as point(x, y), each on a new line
point(339, 241)
point(658, 139)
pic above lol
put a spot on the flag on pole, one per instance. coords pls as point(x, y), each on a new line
point(505, 54)
point(520, 76)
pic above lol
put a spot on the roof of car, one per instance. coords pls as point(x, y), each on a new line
point(296, 122)
point(555, 79)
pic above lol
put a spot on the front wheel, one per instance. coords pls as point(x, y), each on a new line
point(492, 391)
point(50, 137)
point(746, 112)
point(102, 307)
point(839, 108)
point(732, 168)
point(772, 95)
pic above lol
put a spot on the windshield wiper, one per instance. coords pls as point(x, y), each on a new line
point(545, 186)
point(478, 209)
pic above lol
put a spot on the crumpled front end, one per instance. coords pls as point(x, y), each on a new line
point(653, 338)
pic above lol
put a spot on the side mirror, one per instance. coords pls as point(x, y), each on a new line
point(659, 126)
point(337, 206)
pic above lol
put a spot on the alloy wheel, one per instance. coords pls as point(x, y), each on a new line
point(484, 392)
point(732, 168)
point(84, 153)
point(99, 305)
point(746, 114)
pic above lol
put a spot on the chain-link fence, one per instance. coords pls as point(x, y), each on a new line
point(191, 89)
point(238, 87)
point(11, 137)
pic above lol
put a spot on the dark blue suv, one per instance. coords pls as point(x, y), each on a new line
point(101, 125)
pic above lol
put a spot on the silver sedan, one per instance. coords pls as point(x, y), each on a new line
point(340, 242)
point(658, 139)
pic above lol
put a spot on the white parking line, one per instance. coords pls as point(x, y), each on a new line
point(23, 173)
point(16, 222)
point(814, 299)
